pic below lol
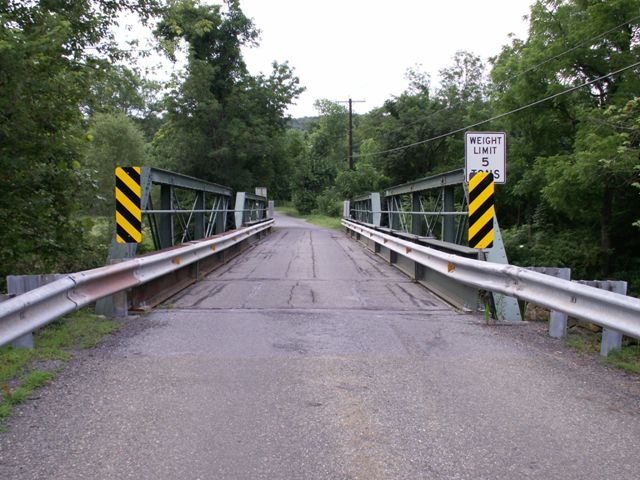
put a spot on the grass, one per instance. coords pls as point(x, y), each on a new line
point(324, 221)
point(584, 342)
point(23, 370)
point(626, 358)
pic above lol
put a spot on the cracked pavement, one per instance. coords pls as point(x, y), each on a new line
point(308, 357)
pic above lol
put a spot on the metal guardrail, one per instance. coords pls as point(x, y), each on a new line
point(604, 308)
point(27, 312)
point(435, 207)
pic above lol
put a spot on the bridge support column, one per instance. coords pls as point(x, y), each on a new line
point(448, 221)
point(241, 199)
point(166, 219)
point(199, 217)
point(416, 221)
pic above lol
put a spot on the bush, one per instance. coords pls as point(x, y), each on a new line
point(527, 246)
point(304, 201)
point(329, 203)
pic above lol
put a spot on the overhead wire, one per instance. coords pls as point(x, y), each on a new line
point(588, 41)
point(575, 47)
point(496, 117)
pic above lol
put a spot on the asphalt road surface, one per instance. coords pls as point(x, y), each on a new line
point(310, 358)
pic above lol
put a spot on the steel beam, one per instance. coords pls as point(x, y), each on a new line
point(198, 232)
point(178, 180)
point(448, 221)
point(455, 177)
point(166, 232)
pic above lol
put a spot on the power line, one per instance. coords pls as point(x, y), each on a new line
point(581, 44)
point(519, 109)
point(544, 62)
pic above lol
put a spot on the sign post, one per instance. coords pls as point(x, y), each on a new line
point(486, 152)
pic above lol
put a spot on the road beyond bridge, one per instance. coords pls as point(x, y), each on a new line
point(310, 358)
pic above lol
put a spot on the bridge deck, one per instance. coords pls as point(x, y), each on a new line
point(310, 358)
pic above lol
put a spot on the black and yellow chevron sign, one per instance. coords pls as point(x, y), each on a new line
point(128, 211)
point(481, 210)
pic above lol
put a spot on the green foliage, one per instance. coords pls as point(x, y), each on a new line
point(115, 140)
point(419, 113)
point(584, 342)
point(79, 330)
point(626, 358)
point(53, 345)
point(531, 245)
point(329, 203)
point(50, 55)
point(222, 123)
point(364, 178)
point(307, 185)
point(318, 219)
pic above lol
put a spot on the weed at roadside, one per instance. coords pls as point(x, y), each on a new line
point(54, 345)
point(314, 218)
point(584, 342)
point(626, 358)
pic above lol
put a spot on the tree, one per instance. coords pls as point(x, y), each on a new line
point(115, 140)
point(223, 124)
point(569, 168)
point(50, 52)
point(419, 113)
point(591, 186)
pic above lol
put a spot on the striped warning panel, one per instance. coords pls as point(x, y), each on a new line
point(481, 210)
point(128, 212)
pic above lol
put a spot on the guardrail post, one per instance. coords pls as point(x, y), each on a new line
point(557, 320)
point(116, 305)
point(612, 339)
point(26, 341)
point(19, 284)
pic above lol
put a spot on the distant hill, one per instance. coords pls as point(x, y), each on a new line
point(302, 123)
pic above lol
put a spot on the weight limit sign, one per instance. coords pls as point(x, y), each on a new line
point(481, 210)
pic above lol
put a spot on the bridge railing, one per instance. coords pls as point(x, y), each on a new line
point(175, 268)
point(432, 211)
point(177, 208)
point(250, 208)
point(189, 210)
point(610, 310)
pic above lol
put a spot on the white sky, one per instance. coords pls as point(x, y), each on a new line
point(362, 48)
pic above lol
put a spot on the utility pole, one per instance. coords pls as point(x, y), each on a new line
point(350, 102)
